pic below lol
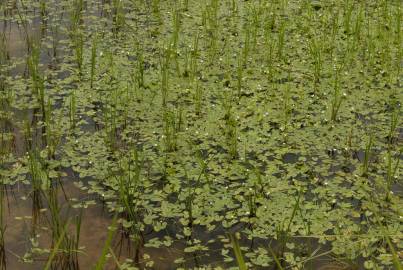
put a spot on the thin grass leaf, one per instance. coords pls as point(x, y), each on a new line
point(111, 232)
point(238, 252)
point(56, 247)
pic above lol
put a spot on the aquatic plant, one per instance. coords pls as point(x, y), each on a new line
point(185, 122)
point(238, 252)
point(3, 262)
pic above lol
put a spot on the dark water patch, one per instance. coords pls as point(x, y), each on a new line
point(290, 158)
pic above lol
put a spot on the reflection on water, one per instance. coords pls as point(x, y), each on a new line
point(31, 226)
point(26, 216)
point(29, 223)
point(18, 219)
point(14, 39)
point(22, 225)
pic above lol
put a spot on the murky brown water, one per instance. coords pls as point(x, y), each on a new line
point(20, 225)
point(20, 209)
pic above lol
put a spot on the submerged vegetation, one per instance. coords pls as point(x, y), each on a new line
point(215, 134)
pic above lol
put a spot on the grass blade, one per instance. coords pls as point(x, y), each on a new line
point(102, 260)
point(238, 252)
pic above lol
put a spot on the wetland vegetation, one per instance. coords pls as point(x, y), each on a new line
point(201, 134)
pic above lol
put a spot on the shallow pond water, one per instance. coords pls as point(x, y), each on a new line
point(181, 134)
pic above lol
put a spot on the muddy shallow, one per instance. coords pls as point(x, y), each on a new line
point(203, 126)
